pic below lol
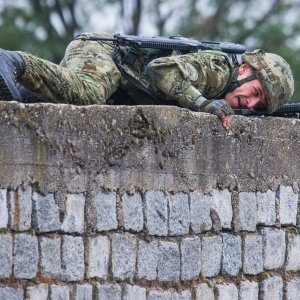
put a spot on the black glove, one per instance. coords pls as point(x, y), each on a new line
point(220, 108)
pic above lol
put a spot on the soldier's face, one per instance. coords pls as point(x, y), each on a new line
point(249, 94)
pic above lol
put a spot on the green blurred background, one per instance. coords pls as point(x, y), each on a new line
point(45, 27)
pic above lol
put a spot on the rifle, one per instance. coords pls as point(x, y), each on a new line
point(174, 42)
point(289, 110)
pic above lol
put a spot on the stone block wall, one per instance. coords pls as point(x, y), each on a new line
point(147, 203)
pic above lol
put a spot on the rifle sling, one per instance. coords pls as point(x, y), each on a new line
point(118, 61)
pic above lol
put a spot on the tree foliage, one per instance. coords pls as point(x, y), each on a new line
point(45, 27)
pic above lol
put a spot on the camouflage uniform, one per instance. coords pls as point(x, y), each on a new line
point(88, 75)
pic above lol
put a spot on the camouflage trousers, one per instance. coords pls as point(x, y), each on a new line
point(86, 75)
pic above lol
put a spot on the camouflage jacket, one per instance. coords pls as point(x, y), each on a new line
point(179, 78)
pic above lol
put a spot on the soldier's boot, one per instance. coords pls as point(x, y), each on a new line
point(12, 66)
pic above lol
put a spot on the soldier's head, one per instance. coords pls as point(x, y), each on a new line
point(267, 81)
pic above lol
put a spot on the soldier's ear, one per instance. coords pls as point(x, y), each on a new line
point(243, 68)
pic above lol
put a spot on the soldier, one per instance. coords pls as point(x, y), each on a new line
point(206, 81)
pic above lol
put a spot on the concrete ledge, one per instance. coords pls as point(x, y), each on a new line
point(144, 148)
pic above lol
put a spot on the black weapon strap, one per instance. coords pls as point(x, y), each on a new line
point(117, 57)
point(235, 83)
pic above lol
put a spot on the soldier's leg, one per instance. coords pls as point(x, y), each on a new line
point(88, 75)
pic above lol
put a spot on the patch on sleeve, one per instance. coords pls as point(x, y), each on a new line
point(192, 72)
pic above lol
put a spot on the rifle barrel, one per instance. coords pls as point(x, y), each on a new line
point(288, 109)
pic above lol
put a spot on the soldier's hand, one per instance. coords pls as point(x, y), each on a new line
point(220, 108)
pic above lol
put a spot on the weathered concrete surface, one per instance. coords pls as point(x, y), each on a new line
point(77, 149)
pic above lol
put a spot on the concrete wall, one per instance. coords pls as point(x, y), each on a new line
point(147, 203)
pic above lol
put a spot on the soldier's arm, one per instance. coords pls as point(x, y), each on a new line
point(171, 80)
